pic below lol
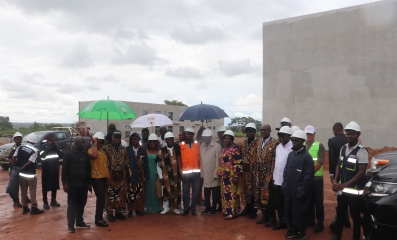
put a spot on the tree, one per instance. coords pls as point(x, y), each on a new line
point(238, 123)
point(174, 102)
point(5, 123)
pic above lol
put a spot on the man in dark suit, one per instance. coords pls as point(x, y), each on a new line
point(334, 146)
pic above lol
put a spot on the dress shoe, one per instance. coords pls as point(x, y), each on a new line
point(194, 213)
point(206, 211)
point(318, 228)
point(121, 216)
point(35, 210)
point(46, 206)
point(25, 210)
point(263, 219)
point(111, 218)
point(101, 223)
point(185, 212)
point(244, 212)
point(71, 230)
point(280, 226)
point(54, 203)
point(130, 214)
point(82, 225)
point(270, 224)
point(336, 237)
point(140, 213)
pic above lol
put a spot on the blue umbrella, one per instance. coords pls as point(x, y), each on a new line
point(202, 112)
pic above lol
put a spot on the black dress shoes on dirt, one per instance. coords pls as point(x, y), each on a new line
point(101, 223)
point(318, 228)
point(35, 210)
point(270, 224)
point(280, 226)
point(82, 225)
point(121, 216)
point(111, 218)
point(185, 212)
point(46, 206)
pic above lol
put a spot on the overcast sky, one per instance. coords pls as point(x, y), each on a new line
point(55, 53)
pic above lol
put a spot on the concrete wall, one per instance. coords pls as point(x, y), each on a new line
point(139, 108)
point(334, 66)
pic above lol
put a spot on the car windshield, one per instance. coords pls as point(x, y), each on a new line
point(38, 134)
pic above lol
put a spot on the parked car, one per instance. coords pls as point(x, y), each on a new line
point(62, 138)
point(381, 203)
point(383, 159)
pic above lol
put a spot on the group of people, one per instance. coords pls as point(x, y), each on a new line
point(154, 174)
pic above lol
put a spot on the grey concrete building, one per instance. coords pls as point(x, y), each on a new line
point(334, 66)
point(142, 109)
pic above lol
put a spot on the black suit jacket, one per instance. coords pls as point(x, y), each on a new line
point(334, 146)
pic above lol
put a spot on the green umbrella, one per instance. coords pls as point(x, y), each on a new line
point(107, 110)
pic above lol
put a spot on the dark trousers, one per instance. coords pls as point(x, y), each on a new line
point(53, 196)
point(270, 211)
point(99, 186)
point(216, 193)
point(193, 182)
point(353, 202)
point(280, 203)
point(317, 208)
point(77, 198)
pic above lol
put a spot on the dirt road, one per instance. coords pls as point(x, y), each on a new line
point(52, 224)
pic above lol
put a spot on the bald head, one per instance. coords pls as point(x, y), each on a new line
point(79, 143)
point(265, 131)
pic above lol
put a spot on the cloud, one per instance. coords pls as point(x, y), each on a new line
point(78, 57)
point(140, 89)
point(198, 36)
point(185, 72)
point(140, 54)
point(108, 78)
point(237, 67)
point(249, 100)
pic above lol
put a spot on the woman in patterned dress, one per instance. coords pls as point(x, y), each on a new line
point(229, 168)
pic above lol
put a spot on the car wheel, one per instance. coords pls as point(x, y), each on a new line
point(4, 166)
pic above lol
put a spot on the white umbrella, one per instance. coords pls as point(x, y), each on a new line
point(151, 120)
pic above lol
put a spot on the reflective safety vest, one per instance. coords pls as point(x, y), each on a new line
point(24, 153)
point(348, 169)
point(313, 151)
point(190, 157)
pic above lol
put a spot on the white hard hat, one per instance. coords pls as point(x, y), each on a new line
point(250, 125)
point(152, 137)
point(353, 126)
point(168, 135)
point(294, 128)
point(124, 143)
point(229, 132)
point(300, 134)
point(99, 135)
point(17, 134)
point(221, 128)
point(32, 138)
point(286, 130)
point(207, 133)
point(285, 120)
point(190, 129)
point(310, 129)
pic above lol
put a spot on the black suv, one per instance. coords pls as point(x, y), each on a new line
point(380, 214)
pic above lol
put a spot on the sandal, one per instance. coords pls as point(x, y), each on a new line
point(229, 217)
